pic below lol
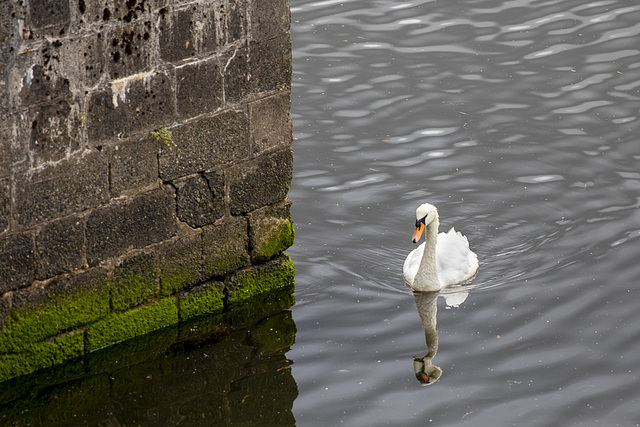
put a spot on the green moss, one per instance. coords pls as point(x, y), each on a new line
point(201, 300)
point(42, 355)
point(163, 136)
point(179, 264)
point(56, 314)
point(275, 239)
point(275, 274)
point(133, 282)
point(139, 321)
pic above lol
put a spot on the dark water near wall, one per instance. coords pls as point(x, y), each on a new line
point(519, 120)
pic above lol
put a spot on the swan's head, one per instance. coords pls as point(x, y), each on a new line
point(425, 215)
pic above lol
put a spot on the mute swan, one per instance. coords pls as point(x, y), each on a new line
point(443, 259)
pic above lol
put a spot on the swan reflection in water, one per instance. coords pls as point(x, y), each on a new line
point(426, 303)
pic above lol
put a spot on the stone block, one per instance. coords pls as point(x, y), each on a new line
point(236, 74)
point(224, 247)
point(52, 14)
point(68, 187)
point(186, 32)
point(258, 279)
point(270, 64)
point(204, 299)
point(5, 204)
point(199, 88)
point(60, 247)
point(269, 18)
point(130, 48)
point(178, 263)
point(133, 282)
point(270, 122)
point(270, 231)
point(136, 104)
point(55, 131)
point(234, 18)
point(130, 223)
point(41, 85)
point(204, 144)
point(139, 321)
point(198, 203)
point(65, 303)
point(17, 268)
point(133, 165)
point(260, 182)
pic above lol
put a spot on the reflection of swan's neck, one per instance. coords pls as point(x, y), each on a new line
point(427, 276)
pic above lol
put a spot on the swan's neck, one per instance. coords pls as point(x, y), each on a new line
point(427, 276)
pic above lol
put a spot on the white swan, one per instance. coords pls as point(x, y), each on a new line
point(443, 259)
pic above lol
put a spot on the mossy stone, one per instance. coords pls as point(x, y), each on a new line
point(42, 355)
point(201, 300)
point(139, 321)
point(134, 281)
point(261, 278)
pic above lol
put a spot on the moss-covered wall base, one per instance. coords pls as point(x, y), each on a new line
point(32, 339)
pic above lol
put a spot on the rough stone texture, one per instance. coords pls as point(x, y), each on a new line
point(270, 231)
point(274, 274)
point(130, 223)
point(16, 261)
point(225, 247)
point(199, 87)
point(270, 122)
point(198, 203)
point(261, 182)
point(60, 190)
point(204, 144)
point(133, 165)
point(145, 157)
point(60, 247)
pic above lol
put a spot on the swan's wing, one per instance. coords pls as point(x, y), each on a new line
point(411, 264)
point(456, 263)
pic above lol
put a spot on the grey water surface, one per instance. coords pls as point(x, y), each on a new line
point(519, 120)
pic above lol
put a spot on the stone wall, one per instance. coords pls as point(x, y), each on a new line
point(145, 160)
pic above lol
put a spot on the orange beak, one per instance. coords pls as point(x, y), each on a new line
point(417, 233)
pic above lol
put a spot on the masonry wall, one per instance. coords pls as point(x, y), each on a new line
point(145, 160)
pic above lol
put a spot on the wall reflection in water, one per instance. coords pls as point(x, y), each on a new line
point(213, 371)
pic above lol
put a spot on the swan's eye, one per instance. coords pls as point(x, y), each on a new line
point(420, 221)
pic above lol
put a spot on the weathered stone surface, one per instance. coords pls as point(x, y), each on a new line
point(129, 48)
point(186, 32)
point(60, 247)
point(42, 312)
point(275, 274)
point(54, 131)
point(139, 103)
point(236, 74)
point(41, 85)
point(50, 13)
point(198, 203)
point(204, 144)
point(178, 263)
point(68, 187)
point(270, 122)
point(224, 247)
point(133, 165)
point(234, 18)
point(269, 18)
point(131, 223)
point(139, 321)
point(270, 64)
point(199, 88)
point(261, 182)
point(270, 231)
point(204, 299)
point(16, 262)
point(5, 200)
point(133, 282)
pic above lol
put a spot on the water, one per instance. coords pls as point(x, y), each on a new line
point(519, 120)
